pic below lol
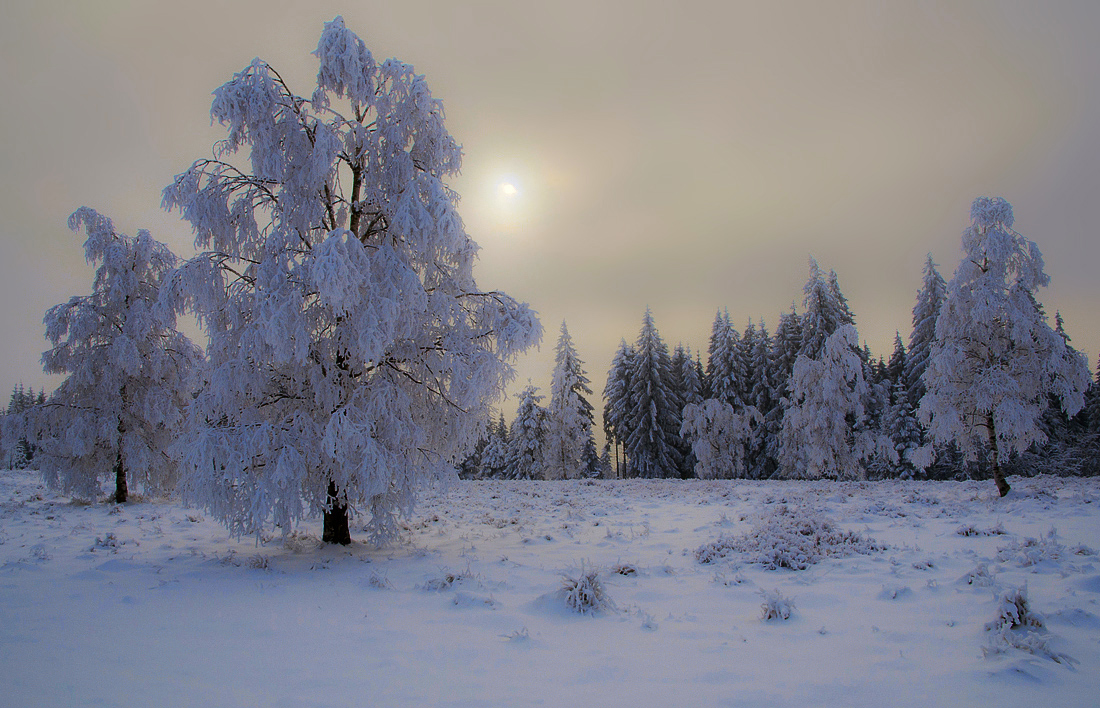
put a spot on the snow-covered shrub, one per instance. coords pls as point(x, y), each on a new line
point(794, 538)
point(1032, 551)
point(775, 606)
point(1018, 627)
point(258, 562)
point(972, 530)
point(627, 569)
point(585, 593)
point(980, 577)
point(445, 581)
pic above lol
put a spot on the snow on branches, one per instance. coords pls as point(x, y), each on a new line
point(129, 370)
point(351, 352)
point(995, 360)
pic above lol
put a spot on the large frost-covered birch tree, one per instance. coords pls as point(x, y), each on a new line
point(129, 371)
point(351, 352)
point(995, 360)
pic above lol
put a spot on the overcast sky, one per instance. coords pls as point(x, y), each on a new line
point(687, 156)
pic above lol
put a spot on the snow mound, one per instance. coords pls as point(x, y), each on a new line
point(794, 538)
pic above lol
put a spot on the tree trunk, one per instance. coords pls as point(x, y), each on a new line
point(122, 492)
point(336, 528)
point(998, 475)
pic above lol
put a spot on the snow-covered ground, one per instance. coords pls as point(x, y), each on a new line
point(150, 604)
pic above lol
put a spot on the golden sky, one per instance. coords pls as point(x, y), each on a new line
point(687, 156)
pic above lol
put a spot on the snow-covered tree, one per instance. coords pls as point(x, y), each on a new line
point(494, 456)
point(351, 352)
point(925, 313)
point(899, 423)
point(569, 415)
point(653, 445)
point(526, 441)
point(895, 370)
point(718, 435)
point(723, 371)
point(687, 387)
point(823, 433)
point(618, 402)
point(826, 311)
point(995, 360)
point(129, 372)
point(16, 444)
point(765, 399)
point(1094, 402)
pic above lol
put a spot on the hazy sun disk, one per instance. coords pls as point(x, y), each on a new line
point(508, 190)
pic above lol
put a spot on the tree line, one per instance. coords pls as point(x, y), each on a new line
point(984, 385)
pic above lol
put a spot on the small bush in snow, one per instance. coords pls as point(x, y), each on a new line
point(258, 562)
point(379, 582)
point(980, 577)
point(775, 606)
point(627, 569)
point(445, 581)
point(1032, 551)
point(585, 593)
point(971, 530)
point(1017, 627)
point(789, 538)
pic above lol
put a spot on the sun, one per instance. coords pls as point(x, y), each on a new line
point(508, 190)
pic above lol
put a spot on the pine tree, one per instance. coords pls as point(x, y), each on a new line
point(895, 370)
point(129, 372)
point(526, 445)
point(569, 415)
point(925, 313)
point(688, 388)
point(995, 359)
point(900, 424)
point(494, 457)
point(618, 403)
point(743, 371)
point(655, 425)
point(765, 399)
point(352, 353)
point(1094, 402)
point(722, 375)
point(826, 311)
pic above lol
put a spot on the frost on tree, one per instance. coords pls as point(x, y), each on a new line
point(526, 442)
point(129, 371)
point(618, 403)
point(351, 352)
point(569, 415)
point(823, 431)
point(653, 444)
point(718, 434)
point(995, 360)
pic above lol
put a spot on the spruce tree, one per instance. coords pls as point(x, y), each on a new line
point(825, 311)
point(653, 445)
point(526, 444)
point(925, 313)
point(618, 404)
point(570, 450)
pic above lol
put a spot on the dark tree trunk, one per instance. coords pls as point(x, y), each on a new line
point(998, 475)
point(336, 528)
point(122, 492)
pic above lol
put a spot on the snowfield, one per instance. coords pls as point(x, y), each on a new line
point(909, 594)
